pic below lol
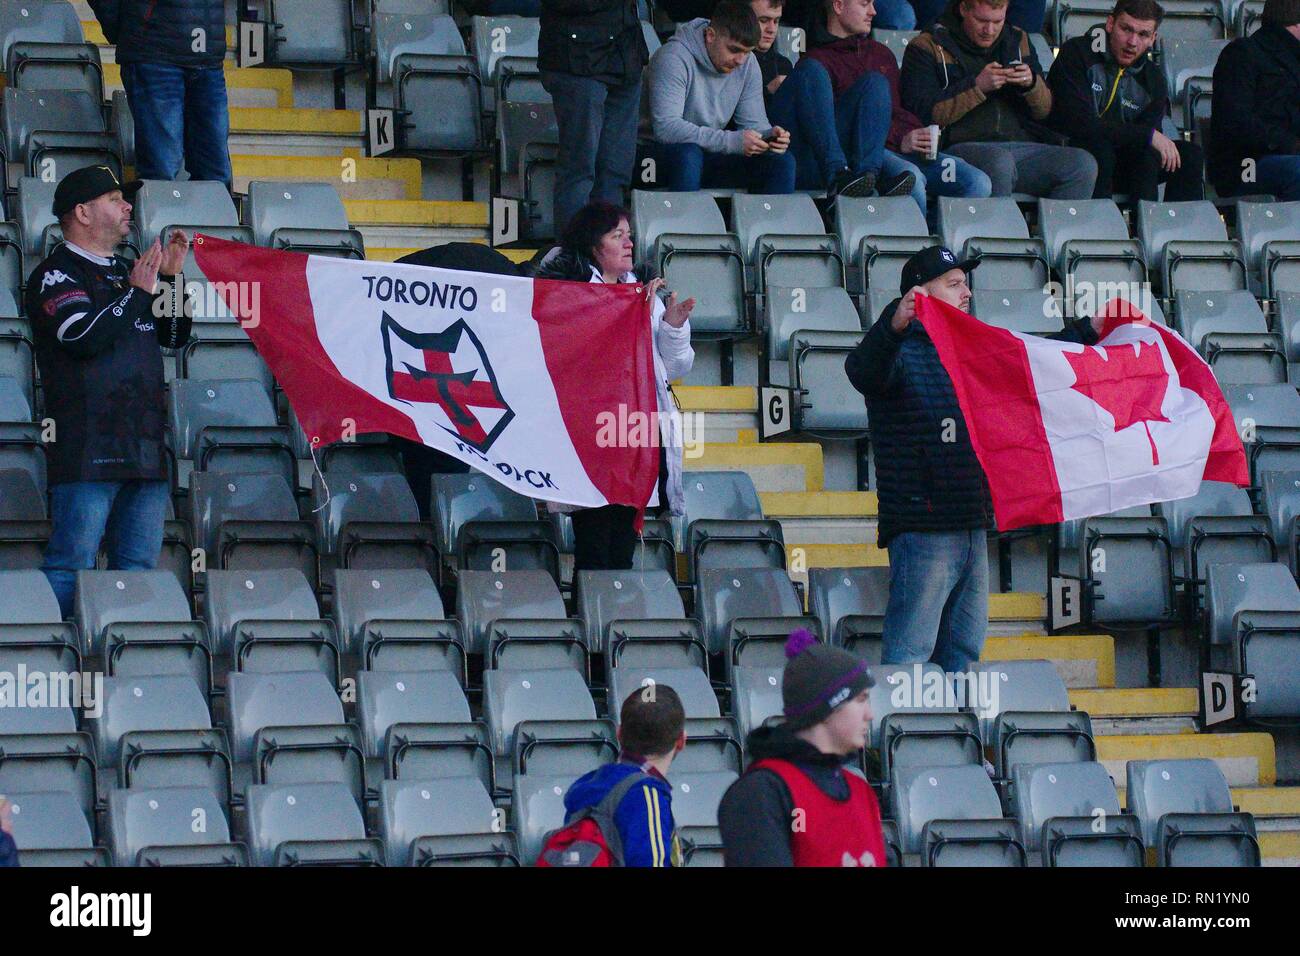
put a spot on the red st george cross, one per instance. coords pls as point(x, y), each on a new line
point(451, 391)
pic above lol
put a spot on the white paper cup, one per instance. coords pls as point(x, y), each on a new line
point(933, 152)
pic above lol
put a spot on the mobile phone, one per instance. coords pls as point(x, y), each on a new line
point(770, 136)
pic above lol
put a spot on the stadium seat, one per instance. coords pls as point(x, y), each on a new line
point(129, 704)
point(547, 760)
point(511, 696)
point(723, 524)
point(62, 761)
point(385, 698)
point(952, 816)
point(1229, 329)
point(42, 65)
point(896, 41)
point(432, 751)
point(809, 333)
point(684, 236)
point(907, 688)
point(65, 127)
point(472, 849)
point(785, 243)
point(755, 696)
point(935, 739)
point(485, 596)
point(656, 642)
point(17, 355)
point(48, 821)
point(1252, 626)
point(293, 699)
point(1035, 311)
point(1002, 686)
point(37, 21)
point(1248, 17)
point(606, 597)
point(1270, 234)
point(310, 33)
point(506, 51)
point(696, 795)
point(161, 205)
point(691, 684)
point(1215, 526)
point(737, 604)
point(250, 522)
point(994, 229)
point(701, 846)
point(240, 417)
point(1187, 817)
point(1279, 500)
point(1088, 245)
point(423, 56)
point(268, 620)
point(1189, 73)
point(399, 609)
point(23, 718)
point(301, 217)
point(1234, 588)
point(850, 603)
point(107, 598)
point(411, 809)
point(1020, 737)
point(487, 527)
point(371, 521)
point(1058, 806)
point(1268, 421)
point(1125, 563)
point(789, 42)
point(186, 826)
point(877, 235)
point(308, 823)
point(32, 631)
point(1187, 247)
point(712, 743)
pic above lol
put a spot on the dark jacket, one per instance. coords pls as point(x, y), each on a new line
point(644, 816)
point(938, 85)
point(847, 58)
point(163, 31)
point(1256, 105)
point(924, 482)
point(98, 348)
point(755, 813)
point(601, 39)
point(1095, 100)
point(8, 850)
point(772, 64)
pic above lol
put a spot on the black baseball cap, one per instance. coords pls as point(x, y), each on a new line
point(86, 184)
point(930, 263)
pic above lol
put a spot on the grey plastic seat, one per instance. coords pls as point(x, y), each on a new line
point(48, 821)
point(27, 719)
point(904, 688)
point(34, 117)
point(461, 499)
point(1034, 311)
point(146, 703)
point(922, 795)
point(696, 796)
point(423, 56)
point(785, 242)
point(363, 596)
point(383, 499)
point(467, 849)
point(607, 596)
point(1234, 588)
point(105, 598)
point(196, 405)
point(755, 696)
point(895, 41)
point(432, 751)
point(960, 220)
point(293, 699)
point(511, 697)
point(725, 597)
point(506, 51)
point(811, 330)
point(308, 33)
point(1187, 245)
point(1268, 419)
point(14, 406)
point(1279, 499)
point(184, 819)
point(712, 743)
point(850, 603)
point(412, 33)
point(307, 822)
point(238, 596)
point(718, 498)
point(385, 698)
point(20, 499)
point(536, 808)
point(1270, 234)
point(485, 526)
point(38, 21)
point(1089, 240)
point(928, 739)
point(410, 809)
point(528, 138)
point(877, 235)
point(1230, 330)
point(17, 361)
point(192, 206)
point(1052, 800)
point(1021, 737)
point(1168, 797)
point(305, 216)
point(62, 761)
point(684, 235)
point(250, 522)
point(691, 684)
point(486, 596)
point(1215, 526)
point(1020, 686)
point(1125, 557)
point(27, 598)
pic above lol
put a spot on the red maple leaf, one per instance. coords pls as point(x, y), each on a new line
point(1129, 386)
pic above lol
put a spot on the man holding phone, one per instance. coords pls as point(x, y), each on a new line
point(979, 80)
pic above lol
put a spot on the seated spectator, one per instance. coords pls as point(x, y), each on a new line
point(842, 100)
point(172, 54)
point(1028, 15)
point(1255, 127)
point(701, 83)
point(651, 732)
point(1110, 98)
point(979, 80)
point(773, 66)
point(798, 765)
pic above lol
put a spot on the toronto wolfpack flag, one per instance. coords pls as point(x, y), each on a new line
point(505, 373)
point(1066, 431)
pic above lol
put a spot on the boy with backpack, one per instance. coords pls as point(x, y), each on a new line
point(797, 805)
point(621, 814)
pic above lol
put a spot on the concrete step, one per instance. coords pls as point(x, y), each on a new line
point(774, 466)
point(722, 414)
point(1246, 759)
point(1083, 661)
point(273, 120)
point(421, 212)
point(1137, 702)
point(1280, 849)
point(260, 87)
point(353, 178)
point(393, 253)
point(1267, 801)
point(1018, 606)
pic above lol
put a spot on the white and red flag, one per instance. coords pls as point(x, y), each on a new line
point(1064, 430)
point(520, 378)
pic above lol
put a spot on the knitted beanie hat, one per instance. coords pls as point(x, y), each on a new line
point(818, 678)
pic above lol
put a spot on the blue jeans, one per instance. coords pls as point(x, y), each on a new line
point(894, 15)
point(829, 133)
point(126, 515)
point(943, 176)
point(685, 167)
point(938, 598)
point(181, 120)
point(597, 151)
point(1279, 175)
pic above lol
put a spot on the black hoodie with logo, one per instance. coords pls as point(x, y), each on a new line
point(1095, 99)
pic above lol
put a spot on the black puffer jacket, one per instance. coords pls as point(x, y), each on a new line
point(924, 482)
point(1256, 104)
point(601, 39)
point(163, 31)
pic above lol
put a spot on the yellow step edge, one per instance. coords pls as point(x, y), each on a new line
point(1280, 844)
point(819, 504)
point(717, 398)
point(1267, 801)
point(803, 556)
point(1030, 647)
point(387, 254)
point(330, 169)
point(734, 457)
point(1017, 606)
point(415, 212)
point(746, 436)
point(1136, 702)
point(1176, 746)
point(236, 79)
point(94, 33)
point(269, 119)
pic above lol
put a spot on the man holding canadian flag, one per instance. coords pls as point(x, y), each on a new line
point(971, 421)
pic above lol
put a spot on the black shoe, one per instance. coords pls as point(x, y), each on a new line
point(900, 185)
point(852, 185)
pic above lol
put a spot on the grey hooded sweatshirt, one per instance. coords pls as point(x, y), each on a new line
point(691, 102)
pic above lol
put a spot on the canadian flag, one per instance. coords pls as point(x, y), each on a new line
point(1066, 431)
point(520, 378)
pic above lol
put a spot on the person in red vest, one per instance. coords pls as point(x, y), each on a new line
point(797, 805)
